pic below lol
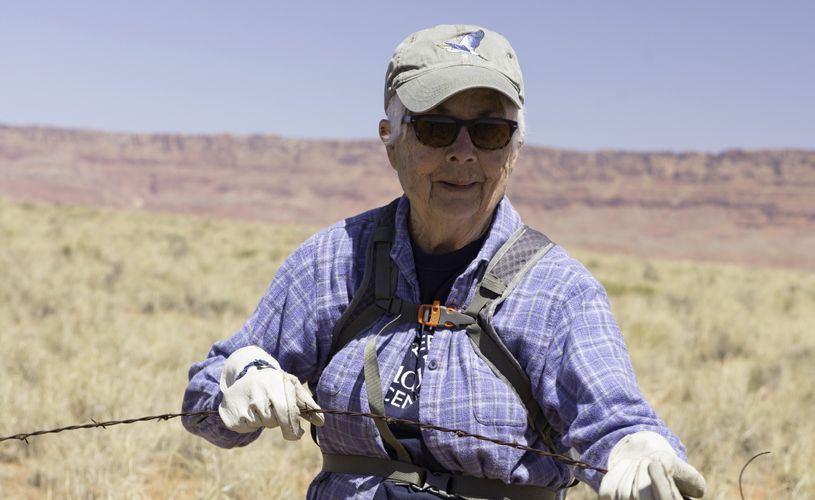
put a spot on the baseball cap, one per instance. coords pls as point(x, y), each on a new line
point(431, 65)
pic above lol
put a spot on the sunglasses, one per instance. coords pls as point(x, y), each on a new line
point(439, 131)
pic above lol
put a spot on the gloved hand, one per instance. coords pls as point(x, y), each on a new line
point(258, 393)
point(644, 466)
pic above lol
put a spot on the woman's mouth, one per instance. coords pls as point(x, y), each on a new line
point(456, 186)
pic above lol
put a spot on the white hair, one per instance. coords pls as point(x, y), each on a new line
point(397, 112)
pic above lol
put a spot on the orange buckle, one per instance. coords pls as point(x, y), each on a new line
point(431, 314)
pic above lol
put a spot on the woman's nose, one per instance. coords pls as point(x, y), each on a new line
point(461, 151)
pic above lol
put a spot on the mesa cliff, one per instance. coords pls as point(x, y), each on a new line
point(753, 207)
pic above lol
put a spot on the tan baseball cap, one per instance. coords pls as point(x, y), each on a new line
point(433, 64)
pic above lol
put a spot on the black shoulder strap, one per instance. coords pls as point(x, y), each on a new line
point(378, 283)
point(375, 298)
point(503, 273)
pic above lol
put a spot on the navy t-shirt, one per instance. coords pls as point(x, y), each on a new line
point(436, 274)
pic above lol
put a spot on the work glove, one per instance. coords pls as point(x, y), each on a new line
point(258, 393)
point(643, 466)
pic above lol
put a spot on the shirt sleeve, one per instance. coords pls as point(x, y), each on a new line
point(589, 384)
point(284, 324)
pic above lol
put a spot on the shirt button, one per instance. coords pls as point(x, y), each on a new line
point(432, 364)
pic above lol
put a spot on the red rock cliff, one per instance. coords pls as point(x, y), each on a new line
point(740, 206)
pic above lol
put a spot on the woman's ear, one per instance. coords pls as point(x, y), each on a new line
point(513, 155)
point(384, 130)
point(385, 134)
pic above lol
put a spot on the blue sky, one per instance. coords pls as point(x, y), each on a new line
point(704, 75)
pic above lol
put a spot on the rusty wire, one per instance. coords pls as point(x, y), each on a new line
point(105, 425)
point(745, 467)
point(390, 420)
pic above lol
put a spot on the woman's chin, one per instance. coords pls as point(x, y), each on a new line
point(456, 207)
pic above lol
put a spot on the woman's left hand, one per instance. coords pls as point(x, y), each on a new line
point(644, 466)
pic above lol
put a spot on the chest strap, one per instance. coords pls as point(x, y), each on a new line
point(406, 312)
point(444, 485)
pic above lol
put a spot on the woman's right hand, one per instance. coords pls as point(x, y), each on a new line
point(258, 393)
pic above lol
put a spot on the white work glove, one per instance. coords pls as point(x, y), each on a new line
point(258, 393)
point(644, 466)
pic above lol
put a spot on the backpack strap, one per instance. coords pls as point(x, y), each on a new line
point(375, 298)
point(503, 273)
point(376, 295)
point(378, 283)
point(373, 386)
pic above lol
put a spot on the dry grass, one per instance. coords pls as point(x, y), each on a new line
point(102, 312)
point(726, 355)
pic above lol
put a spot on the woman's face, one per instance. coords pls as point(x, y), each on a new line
point(460, 183)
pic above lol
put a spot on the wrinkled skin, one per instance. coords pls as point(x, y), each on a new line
point(453, 191)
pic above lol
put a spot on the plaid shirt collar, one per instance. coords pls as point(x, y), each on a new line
point(505, 221)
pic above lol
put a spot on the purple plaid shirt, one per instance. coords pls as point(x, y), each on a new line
point(557, 323)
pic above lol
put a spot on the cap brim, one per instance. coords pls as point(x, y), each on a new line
point(431, 89)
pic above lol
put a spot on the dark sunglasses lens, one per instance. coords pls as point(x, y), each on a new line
point(435, 131)
point(490, 134)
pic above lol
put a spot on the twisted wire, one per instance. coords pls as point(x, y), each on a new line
point(105, 425)
point(460, 433)
point(390, 420)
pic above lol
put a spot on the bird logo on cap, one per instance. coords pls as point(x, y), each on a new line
point(467, 45)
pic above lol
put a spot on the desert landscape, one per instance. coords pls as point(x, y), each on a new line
point(748, 207)
point(123, 257)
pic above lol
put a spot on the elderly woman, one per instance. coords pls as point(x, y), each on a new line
point(524, 348)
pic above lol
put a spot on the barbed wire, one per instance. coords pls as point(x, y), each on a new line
point(390, 420)
point(110, 423)
point(460, 433)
